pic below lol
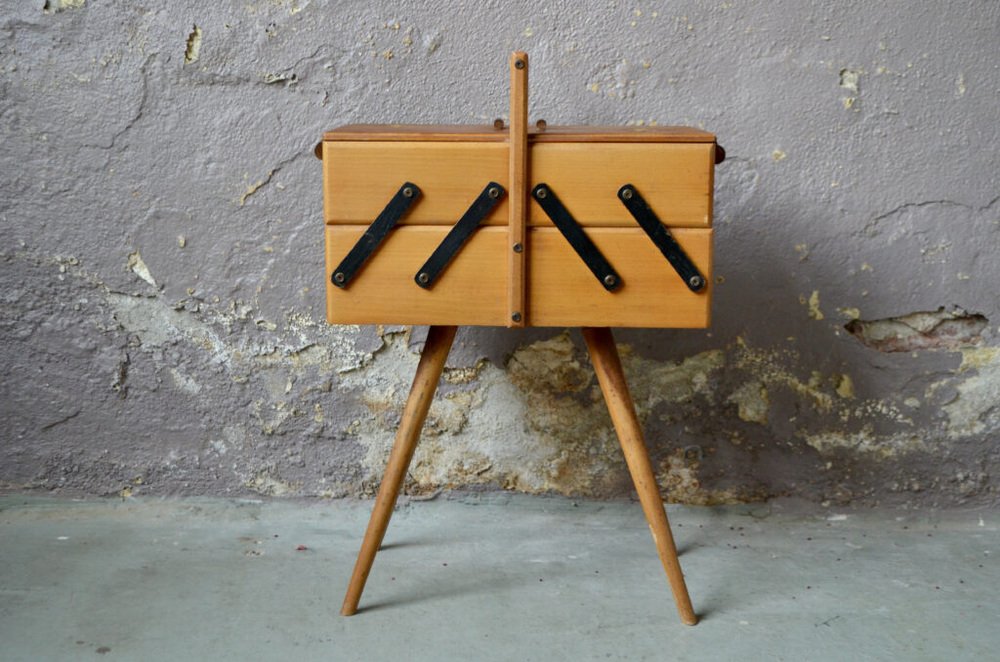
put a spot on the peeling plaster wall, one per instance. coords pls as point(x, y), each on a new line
point(162, 281)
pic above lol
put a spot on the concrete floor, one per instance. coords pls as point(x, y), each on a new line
point(490, 577)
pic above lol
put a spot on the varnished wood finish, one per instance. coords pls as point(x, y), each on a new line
point(675, 179)
point(488, 133)
point(626, 134)
point(471, 291)
point(361, 177)
point(563, 292)
point(607, 365)
point(439, 340)
point(417, 132)
point(518, 194)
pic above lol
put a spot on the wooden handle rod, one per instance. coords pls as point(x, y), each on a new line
point(518, 189)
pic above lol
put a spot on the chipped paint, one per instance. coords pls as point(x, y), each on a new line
point(940, 329)
point(866, 442)
point(752, 402)
point(192, 48)
point(53, 6)
point(269, 485)
point(540, 425)
point(845, 386)
point(678, 479)
point(139, 268)
point(769, 367)
point(814, 310)
point(976, 408)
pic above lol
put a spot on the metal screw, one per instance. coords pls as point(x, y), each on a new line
point(407, 192)
point(423, 277)
point(627, 194)
point(541, 124)
point(695, 281)
point(516, 317)
point(498, 124)
point(610, 280)
point(518, 247)
point(541, 193)
point(494, 192)
point(519, 64)
point(339, 277)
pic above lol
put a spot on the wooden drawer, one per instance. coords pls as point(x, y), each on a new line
point(563, 292)
point(472, 290)
point(676, 180)
point(561, 289)
point(360, 177)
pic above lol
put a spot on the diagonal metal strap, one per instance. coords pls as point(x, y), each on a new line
point(375, 234)
point(661, 236)
point(576, 237)
point(459, 234)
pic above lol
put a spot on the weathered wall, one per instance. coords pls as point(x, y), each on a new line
point(162, 275)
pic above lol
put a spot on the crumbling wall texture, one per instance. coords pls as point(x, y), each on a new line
point(162, 282)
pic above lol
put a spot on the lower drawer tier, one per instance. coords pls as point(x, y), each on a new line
point(562, 291)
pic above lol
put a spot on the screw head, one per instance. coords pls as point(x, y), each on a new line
point(627, 194)
point(541, 193)
point(339, 277)
point(610, 280)
point(541, 124)
point(695, 282)
point(407, 192)
point(423, 277)
point(494, 192)
point(516, 317)
point(518, 247)
point(519, 64)
point(498, 124)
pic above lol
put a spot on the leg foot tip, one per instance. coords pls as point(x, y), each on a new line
point(690, 620)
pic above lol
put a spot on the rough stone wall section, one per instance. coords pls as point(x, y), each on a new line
point(161, 283)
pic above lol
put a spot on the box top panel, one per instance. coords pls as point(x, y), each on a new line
point(487, 133)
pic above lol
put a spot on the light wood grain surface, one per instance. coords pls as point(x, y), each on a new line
point(361, 177)
point(518, 194)
point(471, 291)
point(563, 292)
point(675, 179)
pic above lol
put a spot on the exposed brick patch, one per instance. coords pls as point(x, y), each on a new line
point(940, 329)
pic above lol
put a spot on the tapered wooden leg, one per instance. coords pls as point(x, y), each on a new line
point(607, 365)
point(439, 340)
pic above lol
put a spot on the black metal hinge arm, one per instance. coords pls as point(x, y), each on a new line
point(459, 234)
point(576, 237)
point(375, 234)
point(661, 236)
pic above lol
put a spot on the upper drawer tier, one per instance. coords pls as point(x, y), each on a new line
point(672, 167)
point(361, 177)
point(676, 180)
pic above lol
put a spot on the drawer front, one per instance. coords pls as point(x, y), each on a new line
point(676, 179)
point(563, 292)
point(359, 179)
point(471, 291)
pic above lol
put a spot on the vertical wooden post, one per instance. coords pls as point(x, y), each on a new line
point(436, 349)
point(607, 365)
point(517, 189)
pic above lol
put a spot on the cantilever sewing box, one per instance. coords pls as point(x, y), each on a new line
point(511, 225)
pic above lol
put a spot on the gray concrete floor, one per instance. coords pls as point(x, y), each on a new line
point(491, 577)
